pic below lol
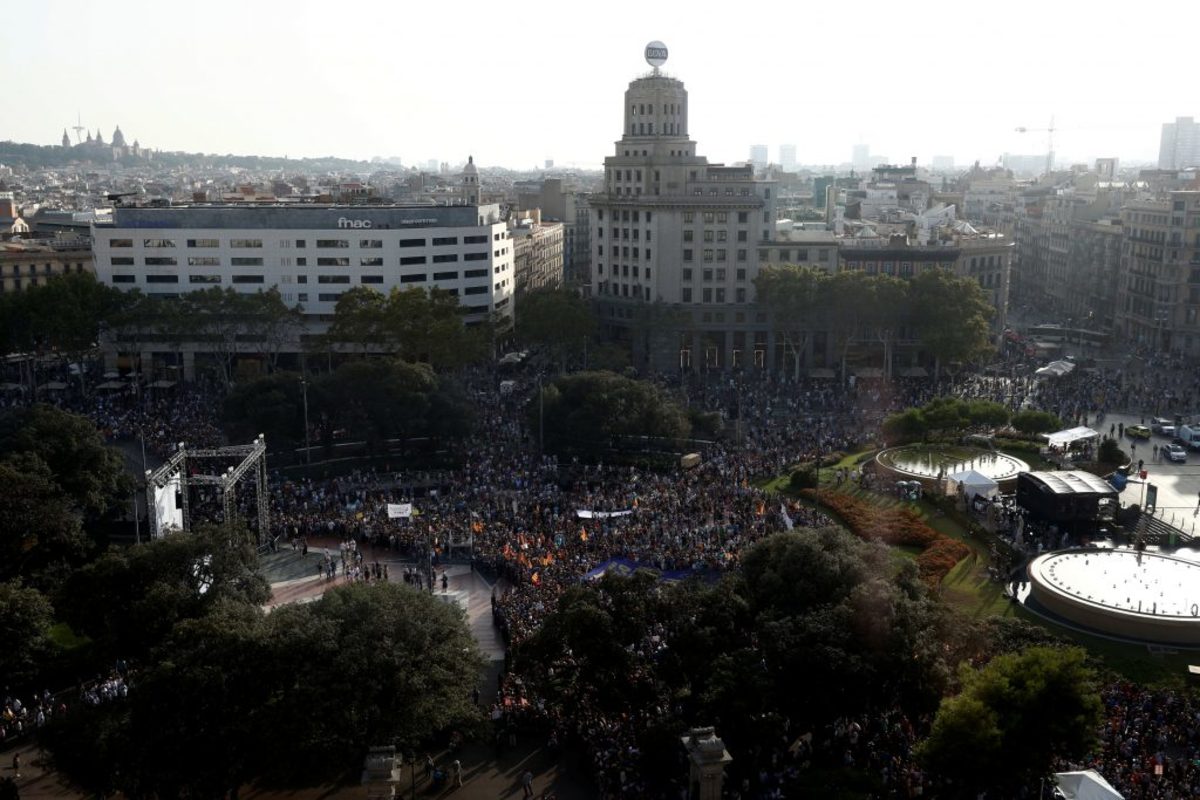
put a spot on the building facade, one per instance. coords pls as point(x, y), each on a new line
point(1179, 147)
point(674, 241)
point(311, 253)
point(24, 265)
point(537, 252)
point(1158, 297)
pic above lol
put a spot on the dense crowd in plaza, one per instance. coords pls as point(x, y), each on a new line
point(518, 514)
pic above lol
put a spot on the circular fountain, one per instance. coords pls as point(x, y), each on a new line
point(930, 463)
point(1149, 597)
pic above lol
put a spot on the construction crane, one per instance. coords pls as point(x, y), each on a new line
point(1049, 142)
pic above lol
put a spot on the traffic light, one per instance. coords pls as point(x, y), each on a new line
point(1151, 497)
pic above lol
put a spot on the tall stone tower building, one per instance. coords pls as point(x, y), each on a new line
point(470, 183)
point(674, 250)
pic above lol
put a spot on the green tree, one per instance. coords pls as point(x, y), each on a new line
point(952, 316)
point(907, 425)
point(272, 405)
point(128, 601)
point(886, 310)
point(988, 413)
point(25, 619)
point(67, 312)
point(89, 471)
point(559, 319)
point(946, 414)
point(412, 324)
point(41, 533)
point(1033, 422)
point(376, 399)
point(587, 411)
point(792, 294)
point(1013, 719)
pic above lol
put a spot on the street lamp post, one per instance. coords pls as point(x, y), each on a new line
point(304, 392)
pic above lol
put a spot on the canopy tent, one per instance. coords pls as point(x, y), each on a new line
point(112, 373)
point(821, 372)
point(1065, 438)
point(1086, 785)
point(54, 386)
point(974, 483)
point(1055, 369)
point(913, 372)
point(109, 386)
point(162, 384)
point(869, 372)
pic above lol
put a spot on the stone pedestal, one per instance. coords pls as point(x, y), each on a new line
point(707, 758)
point(381, 773)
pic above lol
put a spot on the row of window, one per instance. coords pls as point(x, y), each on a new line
point(624, 270)
point(624, 252)
point(324, 261)
point(438, 241)
point(47, 269)
point(321, 279)
point(719, 255)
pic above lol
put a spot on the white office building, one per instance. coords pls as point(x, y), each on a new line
point(313, 253)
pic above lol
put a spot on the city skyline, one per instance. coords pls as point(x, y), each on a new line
point(270, 79)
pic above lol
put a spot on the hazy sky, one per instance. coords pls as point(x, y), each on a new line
point(516, 83)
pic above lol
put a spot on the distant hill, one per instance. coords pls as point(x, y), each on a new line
point(34, 155)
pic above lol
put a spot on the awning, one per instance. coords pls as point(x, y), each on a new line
point(913, 372)
point(821, 372)
point(54, 386)
point(11, 387)
point(1070, 436)
point(112, 385)
point(112, 373)
point(162, 384)
point(869, 372)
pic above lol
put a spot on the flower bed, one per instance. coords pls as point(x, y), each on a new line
point(896, 527)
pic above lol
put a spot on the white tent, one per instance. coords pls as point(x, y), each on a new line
point(1055, 369)
point(1069, 436)
point(974, 483)
point(1086, 785)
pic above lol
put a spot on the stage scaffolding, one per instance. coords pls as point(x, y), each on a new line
point(253, 460)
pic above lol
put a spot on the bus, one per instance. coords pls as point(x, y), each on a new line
point(1061, 333)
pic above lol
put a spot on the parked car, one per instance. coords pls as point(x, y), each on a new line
point(1164, 426)
point(1137, 431)
point(1176, 453)
point(1189, 435)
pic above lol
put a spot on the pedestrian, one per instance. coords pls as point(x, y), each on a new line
point(445, 582)
point(428, 766)
point(458, 773)
point(17, 766)
point(527, 784)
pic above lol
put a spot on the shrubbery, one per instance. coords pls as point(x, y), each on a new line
point(899, 527)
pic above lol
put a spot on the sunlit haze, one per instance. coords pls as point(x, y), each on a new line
point(515, 84)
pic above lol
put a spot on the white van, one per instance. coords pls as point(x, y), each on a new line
point(1189, 435)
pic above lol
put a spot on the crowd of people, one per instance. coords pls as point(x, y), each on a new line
point(542, 525)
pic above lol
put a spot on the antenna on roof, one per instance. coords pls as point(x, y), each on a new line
point(78, 128)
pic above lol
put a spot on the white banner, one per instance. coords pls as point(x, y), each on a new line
point(787, 521)
point(585, 514)
point(399, 510)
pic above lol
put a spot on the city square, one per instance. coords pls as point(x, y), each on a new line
point(642, 475)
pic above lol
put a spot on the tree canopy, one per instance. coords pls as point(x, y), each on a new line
point(411, 324)
point(89, 471)
point(559, 319)
point(234, 696)
point(1013, 719)
point(589, 412)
